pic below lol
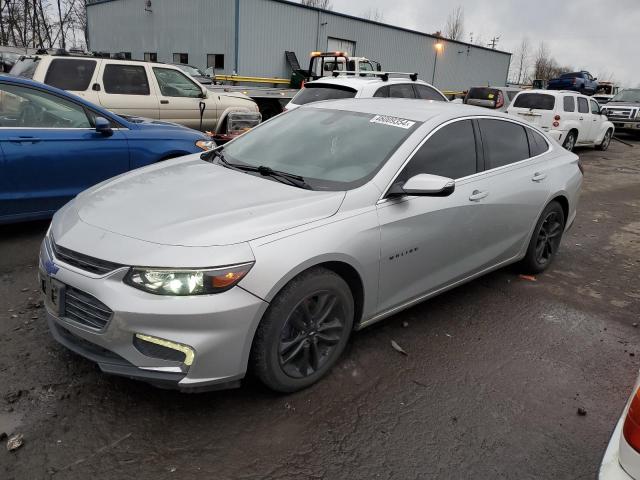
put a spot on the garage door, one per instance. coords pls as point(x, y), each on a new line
point(341, 45)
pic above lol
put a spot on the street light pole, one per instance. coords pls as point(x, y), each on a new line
point(438, 47)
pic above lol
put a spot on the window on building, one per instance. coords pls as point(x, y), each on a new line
point(181, 58)
point(125, 80)
point(215, 60)
point(70, 74)
point(150, 57)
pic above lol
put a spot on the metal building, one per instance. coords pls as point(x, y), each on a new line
point(249, 37)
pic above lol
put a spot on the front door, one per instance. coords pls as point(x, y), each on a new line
point(596, 121)
point(181, 99)
point(430, 242)
point(51, 151)
point(584, 120)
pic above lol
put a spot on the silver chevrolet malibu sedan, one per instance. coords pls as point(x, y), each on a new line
point(265, 254)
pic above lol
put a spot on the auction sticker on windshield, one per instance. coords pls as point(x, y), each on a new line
point(392, 121)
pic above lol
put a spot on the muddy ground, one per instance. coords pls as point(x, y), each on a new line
point(495, 374)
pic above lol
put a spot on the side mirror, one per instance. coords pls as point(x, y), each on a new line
point(203, 94)
point(103, 126)
point(425, 185)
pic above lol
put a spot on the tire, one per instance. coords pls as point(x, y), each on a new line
point(605, 141)
point(545, 239)
point(304, 331)
point(570, 142)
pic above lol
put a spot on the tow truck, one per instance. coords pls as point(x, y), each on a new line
point(272, 99)
point(606, 91)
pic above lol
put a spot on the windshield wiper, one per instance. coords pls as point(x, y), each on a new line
point(282, 177)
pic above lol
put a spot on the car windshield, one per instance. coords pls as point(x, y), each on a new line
point(318, 91)
point(25, 67)
point(331, 149)
point(193, 71)
point(538, 101)
point(627, 96)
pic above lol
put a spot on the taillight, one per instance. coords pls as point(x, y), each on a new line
point(557, 118)
point(556, 124)
point(631, 428)
point(500, 101)
point(581, 166)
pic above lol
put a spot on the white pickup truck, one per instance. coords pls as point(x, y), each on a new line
point(131, 87)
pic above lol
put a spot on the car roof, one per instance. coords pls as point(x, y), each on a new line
point(408, 108)
point(359, 82)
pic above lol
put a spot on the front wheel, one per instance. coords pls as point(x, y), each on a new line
point(304, 331)
point(570, 142)
point(546, 238)
point(605, 141)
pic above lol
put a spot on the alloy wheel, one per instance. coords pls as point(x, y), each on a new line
point(549, 238)
point(570, 142)
point(312, 333)
point(606, 141)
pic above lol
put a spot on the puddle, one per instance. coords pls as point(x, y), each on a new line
point(9, 422)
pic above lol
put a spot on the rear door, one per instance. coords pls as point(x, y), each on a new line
point(534, 107)
point(124, 88)
point(516, 173)
point(584, 120)
point(51, 151)
point(180, 99)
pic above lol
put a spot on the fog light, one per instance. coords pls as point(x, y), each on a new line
point(186, 350)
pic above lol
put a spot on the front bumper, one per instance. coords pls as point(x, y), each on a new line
point(610, 468)
point(218, 328)
point(626, 126)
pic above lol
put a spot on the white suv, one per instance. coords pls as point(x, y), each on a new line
point(377, 84)
point(132, 87)
point(569, 117)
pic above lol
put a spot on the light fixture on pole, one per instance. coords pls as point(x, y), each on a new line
point(438, 46)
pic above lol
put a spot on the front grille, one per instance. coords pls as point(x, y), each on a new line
point(82, 261)
point(85, 309)
point(625, 113)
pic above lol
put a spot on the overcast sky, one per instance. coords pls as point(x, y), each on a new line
point(602, 36)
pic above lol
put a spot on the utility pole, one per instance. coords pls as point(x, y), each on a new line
point(494, 42)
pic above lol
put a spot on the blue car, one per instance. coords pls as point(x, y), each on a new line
point(54, 144)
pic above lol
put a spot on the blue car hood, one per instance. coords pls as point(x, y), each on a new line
point(144, 122)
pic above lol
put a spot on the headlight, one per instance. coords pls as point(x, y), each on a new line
point(206, 144)
point(182, 282)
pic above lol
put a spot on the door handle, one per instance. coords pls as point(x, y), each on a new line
point(478, 195)
point(581, 118)
point(164, 102)
point(538, 177)
point(24, 139)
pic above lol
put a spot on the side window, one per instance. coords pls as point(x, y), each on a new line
point(595, 108)
point(31, 108)
point(70, 74)
point(366, 67)
point(569, 104)
point(450, 152)
point(537, 144)
point(427, 93)
point(122, 79)
point(401, 90)
point(382, 92)
point(504, 142)
point(583, 105)
point(174, 83)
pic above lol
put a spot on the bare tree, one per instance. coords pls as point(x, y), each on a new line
point(521, 66)
point(373, 14)
point(324, 4)
point(545, 66)
point(454, 29)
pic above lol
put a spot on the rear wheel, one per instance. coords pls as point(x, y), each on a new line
point(570, 142)
point(304, 331)
point(605, 141)
point(546, 238)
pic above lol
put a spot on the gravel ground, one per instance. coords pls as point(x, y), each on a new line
point(495, 374)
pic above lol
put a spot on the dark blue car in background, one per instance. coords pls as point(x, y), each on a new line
point(54, 144)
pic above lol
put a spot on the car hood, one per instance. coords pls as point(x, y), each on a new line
point(143, 122)
point(190, 202)
point(623, 104)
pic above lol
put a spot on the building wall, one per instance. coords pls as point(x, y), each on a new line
point(266, 28)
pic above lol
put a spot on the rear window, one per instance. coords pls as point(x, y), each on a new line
point(538, 101)
point(483, 93)
point(25, 67)
point(571, 75)
point(70, 74)
point(315, 93)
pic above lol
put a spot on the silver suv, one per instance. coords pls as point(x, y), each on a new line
point(266, 254)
